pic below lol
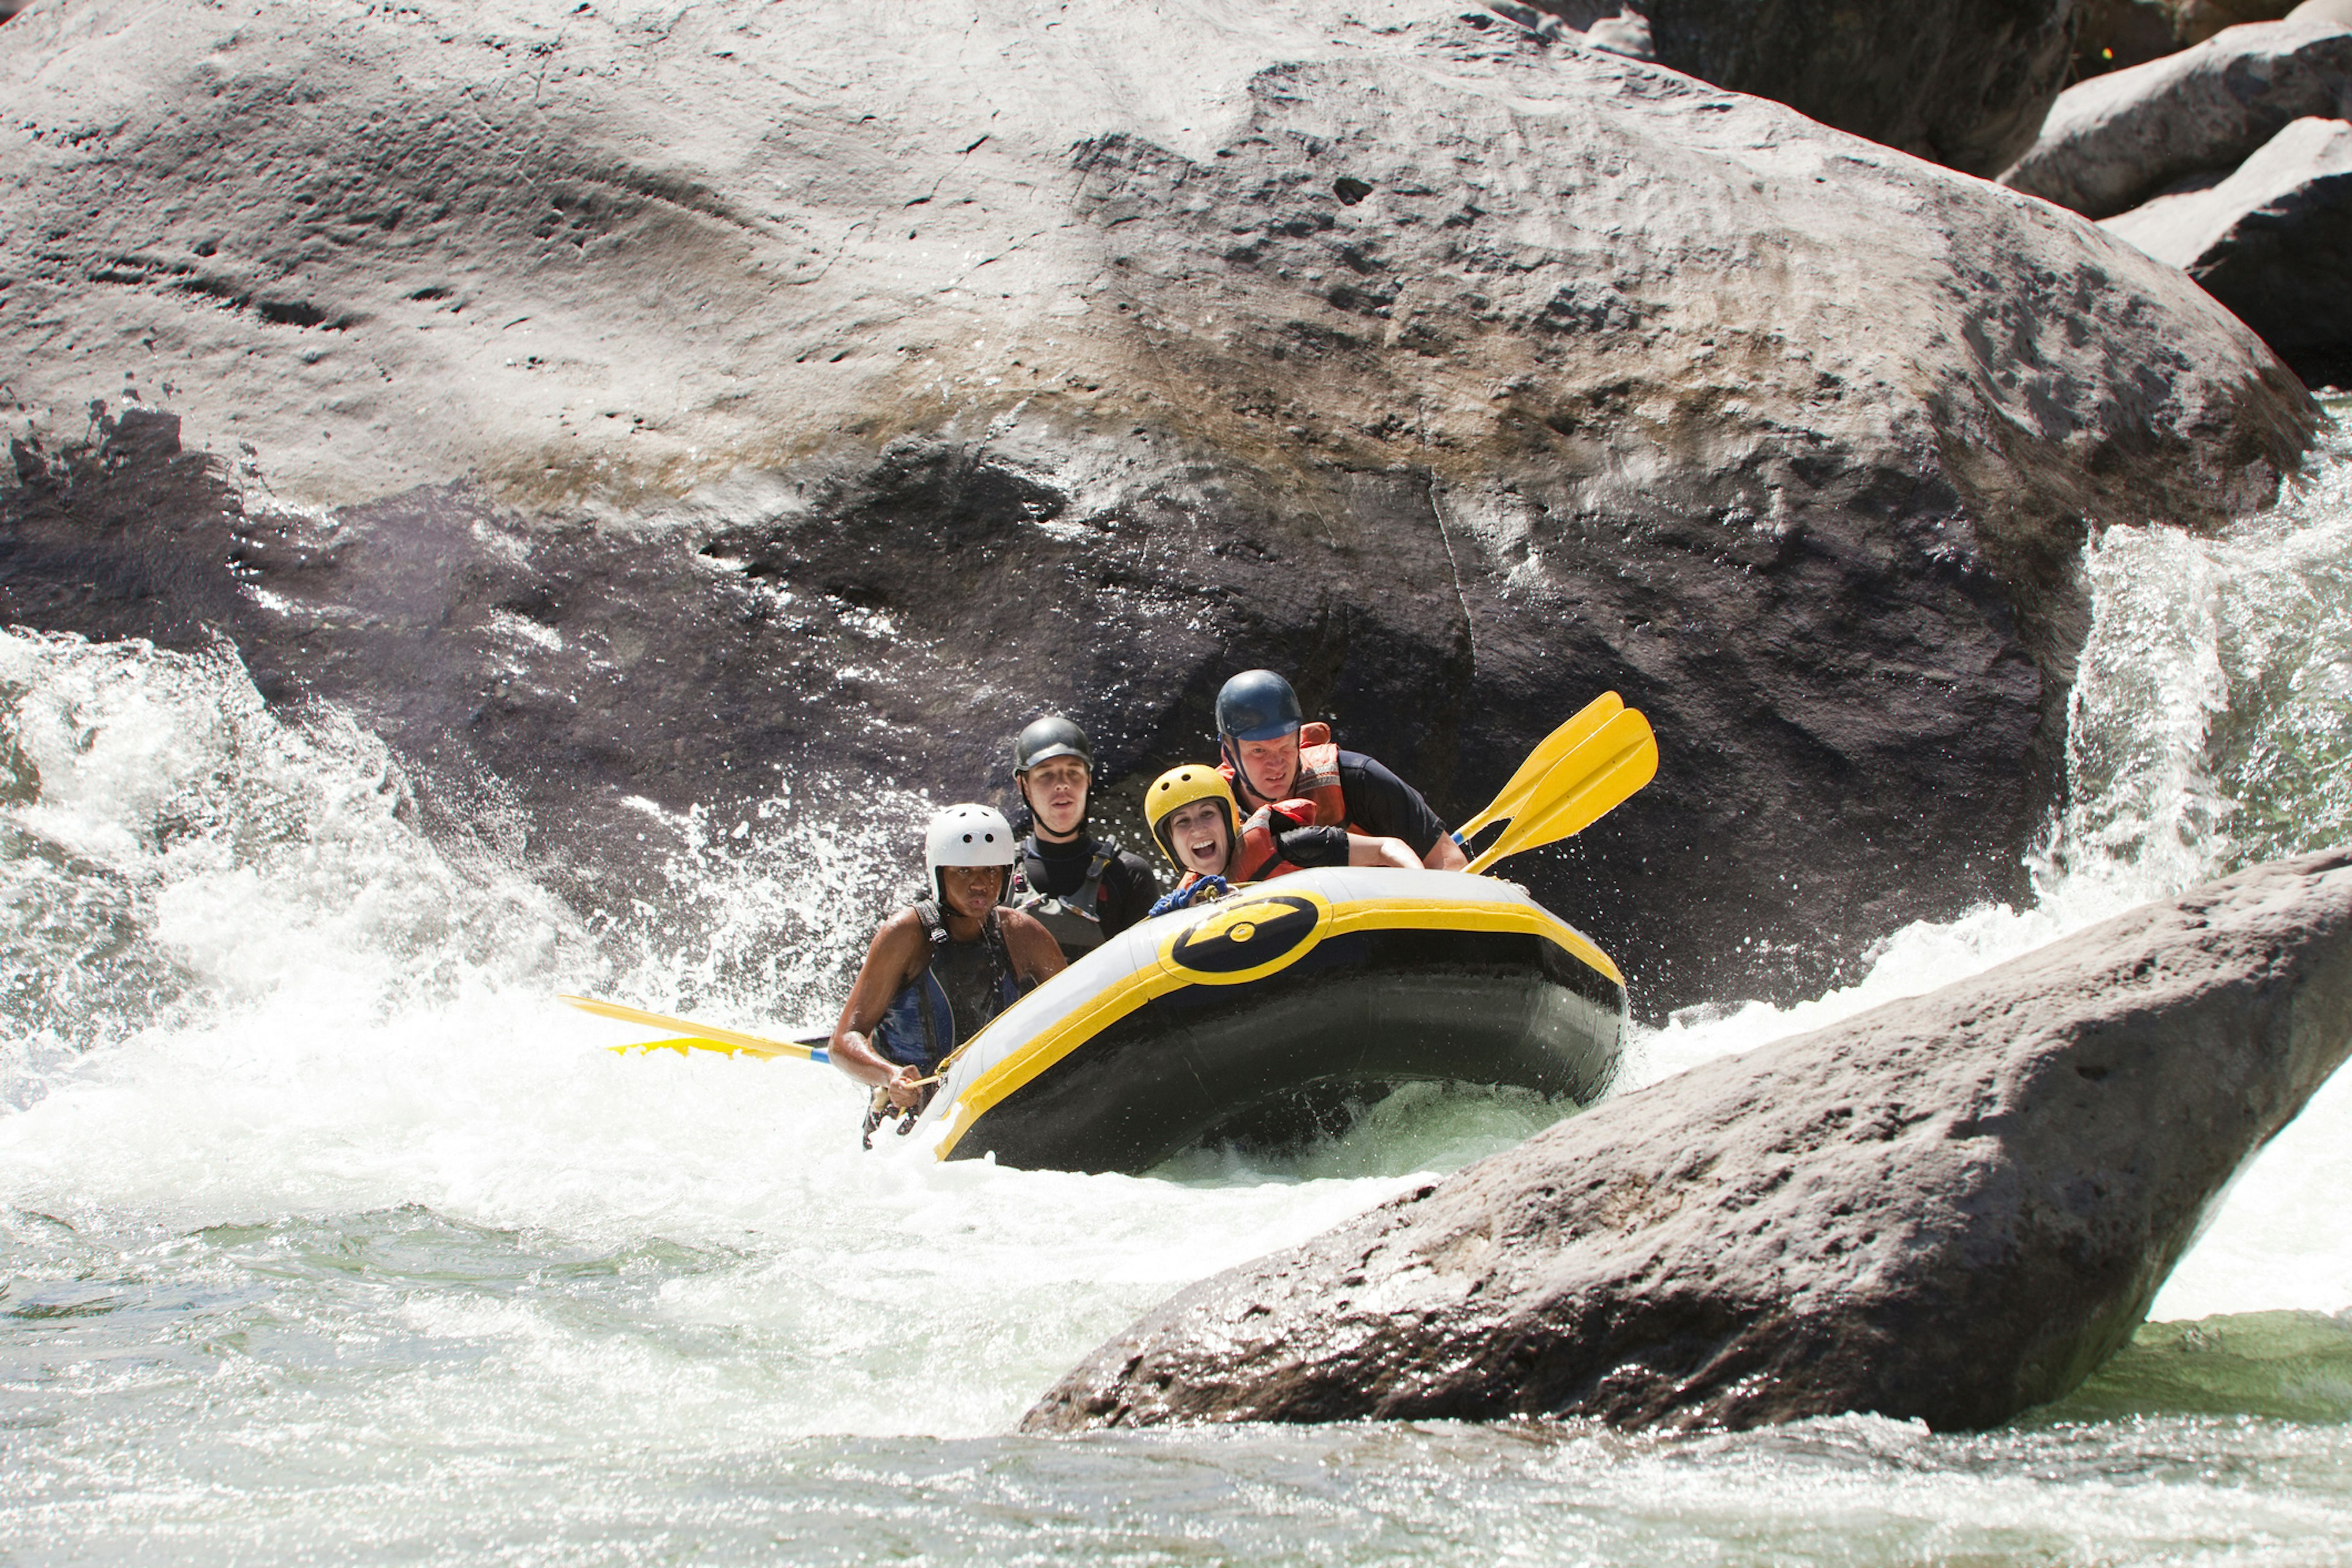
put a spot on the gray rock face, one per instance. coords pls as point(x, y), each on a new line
point(634, 403)
point(2338, 12)
point(2273, 241)
point(2115, 140)
point(1949, 1209)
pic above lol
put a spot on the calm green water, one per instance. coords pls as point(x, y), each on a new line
point(325, 1238)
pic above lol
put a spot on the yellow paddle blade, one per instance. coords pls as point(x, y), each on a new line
point(1514, 795)
point(692, 1043)
point(751, 1045)
point(1581, 788)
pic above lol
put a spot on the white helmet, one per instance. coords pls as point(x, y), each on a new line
point(967, 835)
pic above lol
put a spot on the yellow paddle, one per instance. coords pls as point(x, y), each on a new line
point(1515, 795)
point(702, 1037)
point(711, 1037)
point(688, 1043)
point(1609, 766)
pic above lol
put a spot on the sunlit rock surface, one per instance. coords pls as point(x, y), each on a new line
point(1947, 1209)
point(2118, 140)
point(2273, 241)
point(626, 405)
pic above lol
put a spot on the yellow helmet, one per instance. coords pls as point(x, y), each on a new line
point(1181, 787)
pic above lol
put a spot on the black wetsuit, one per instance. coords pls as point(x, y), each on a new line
point(1123, 889)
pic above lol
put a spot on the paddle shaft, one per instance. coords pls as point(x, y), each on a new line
point(805, 1047)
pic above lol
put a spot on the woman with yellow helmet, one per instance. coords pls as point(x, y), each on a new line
point(1201, 829)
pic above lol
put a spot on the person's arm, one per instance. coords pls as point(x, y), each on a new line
point(1308, 846)
point(1368, 851)
point(1388, 807)
point(1036, 956)
point(1129, 890)
point(1444, 855)
point(891, 957)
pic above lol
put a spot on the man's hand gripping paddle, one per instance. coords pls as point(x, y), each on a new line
point(1597, 759)
point(702, 1037)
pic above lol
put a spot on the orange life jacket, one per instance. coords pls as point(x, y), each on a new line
point(1318, 779)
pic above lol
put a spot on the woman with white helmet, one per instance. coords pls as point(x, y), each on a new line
point(941, 969)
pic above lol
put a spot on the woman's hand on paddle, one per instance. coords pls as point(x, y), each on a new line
point(905, 1088)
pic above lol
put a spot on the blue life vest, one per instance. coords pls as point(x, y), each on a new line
point(921, 1025)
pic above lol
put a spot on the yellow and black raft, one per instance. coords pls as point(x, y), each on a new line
point(1189, 1027)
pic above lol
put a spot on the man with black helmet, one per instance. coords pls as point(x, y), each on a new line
point(1080, 887)
point(1272, 755)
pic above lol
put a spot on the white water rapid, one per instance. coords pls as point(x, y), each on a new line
point(326, 1235)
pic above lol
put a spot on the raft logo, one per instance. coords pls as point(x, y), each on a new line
point(1241, 942)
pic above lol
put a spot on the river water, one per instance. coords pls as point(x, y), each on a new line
point(326, 1236)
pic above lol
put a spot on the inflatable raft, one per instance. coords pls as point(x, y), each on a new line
point(1183, 1029)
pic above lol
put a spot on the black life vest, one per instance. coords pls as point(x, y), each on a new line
point(1074, 920)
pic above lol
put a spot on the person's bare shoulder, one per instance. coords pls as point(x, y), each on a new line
point(900, 938)
point(1034, 951)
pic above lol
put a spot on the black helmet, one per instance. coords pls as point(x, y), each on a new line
point(1051, 736)
point(1257, 705)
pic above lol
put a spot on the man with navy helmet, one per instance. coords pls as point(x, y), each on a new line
point(1080, 887)
point(1272, 755)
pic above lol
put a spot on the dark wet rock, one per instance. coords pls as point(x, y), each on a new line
point(1947, 1209)
point(1463, 375)
point(1964, 84)
point(2118, 140)
point(2274, 242)
point(2116, 35)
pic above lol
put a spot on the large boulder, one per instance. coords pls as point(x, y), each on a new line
point(618, 408)
point(2115, 140)
point(2274, 242)
point(1947, 1209)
